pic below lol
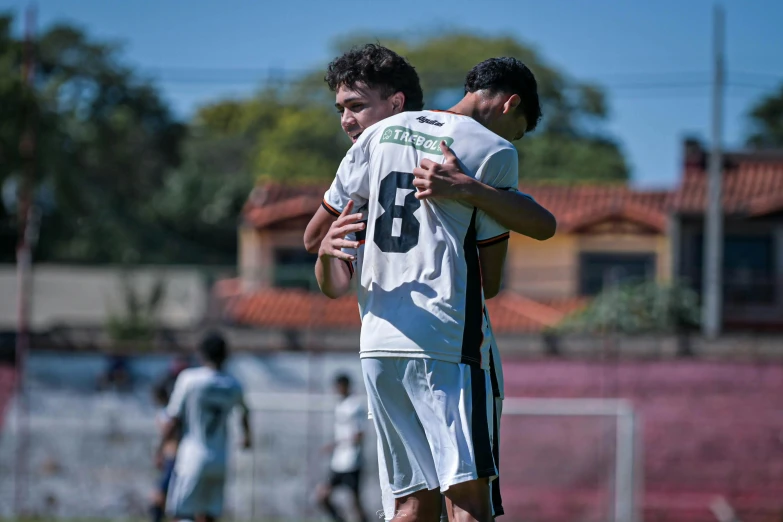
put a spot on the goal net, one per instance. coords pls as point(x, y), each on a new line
point(562, 460)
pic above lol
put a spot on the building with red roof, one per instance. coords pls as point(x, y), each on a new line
point(606, 234)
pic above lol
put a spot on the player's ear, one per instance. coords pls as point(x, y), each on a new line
point(398, 102)
point(511, 104)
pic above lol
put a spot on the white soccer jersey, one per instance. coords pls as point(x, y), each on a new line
point(350, 416)
point(420, 289)
point(203, 399)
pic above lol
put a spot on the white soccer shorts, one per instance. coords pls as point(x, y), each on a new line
point(192, 494)
point(387, 498)
point(434, 422)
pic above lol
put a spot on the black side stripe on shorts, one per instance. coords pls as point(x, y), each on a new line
point(497, 501)
point(472, 335)
point(479, 427)
point(493, 375)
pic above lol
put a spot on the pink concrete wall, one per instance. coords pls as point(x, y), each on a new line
point(709, 429)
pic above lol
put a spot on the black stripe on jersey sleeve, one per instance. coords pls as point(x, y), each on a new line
point(350, 266)
point(493, 240)
point(330, 209)
point(473, 332)
point(361, 235)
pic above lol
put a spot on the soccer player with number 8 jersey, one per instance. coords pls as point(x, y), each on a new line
point(425, 336)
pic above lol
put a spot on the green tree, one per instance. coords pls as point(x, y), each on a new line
point(104, 142)
point(637, 308)
point(766, 121)
point(140, 317)
point(288, 141)
point(569, 145)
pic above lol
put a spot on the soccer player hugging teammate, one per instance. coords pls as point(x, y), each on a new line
point(426, 339)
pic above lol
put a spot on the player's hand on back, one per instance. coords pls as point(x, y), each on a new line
point(334, 241)
point(441, 180)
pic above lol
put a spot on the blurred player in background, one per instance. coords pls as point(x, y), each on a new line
point(371, 84)
point(164, 461)
point(350, 416)
point(200, 405)
point(425, 359)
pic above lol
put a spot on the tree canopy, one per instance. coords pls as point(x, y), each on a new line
point(120, 180)
point(766, 121)
point(298, 139)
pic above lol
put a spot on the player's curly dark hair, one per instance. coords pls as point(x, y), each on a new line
point(508, 75)
point(379, 68)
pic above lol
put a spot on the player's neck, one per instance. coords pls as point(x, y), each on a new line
point(467, 106)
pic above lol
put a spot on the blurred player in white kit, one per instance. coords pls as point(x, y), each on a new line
point(200, 405)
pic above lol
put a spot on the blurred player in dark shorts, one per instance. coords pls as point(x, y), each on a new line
point(350, 417)
point(165, 460)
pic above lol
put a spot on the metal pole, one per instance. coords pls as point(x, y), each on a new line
point(26, 234)
point(713, 237)
point(624, 486)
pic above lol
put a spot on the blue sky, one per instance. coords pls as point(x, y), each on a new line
point(653, 58)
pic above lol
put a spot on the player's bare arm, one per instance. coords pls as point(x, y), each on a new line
point(492, 258)
point(316, 229)
point(168, 434)
point(510, 208)
point(247, 434)
point(332, 269)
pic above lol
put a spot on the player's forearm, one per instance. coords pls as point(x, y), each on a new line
point(317, 229)
point(168, 433)
point(314, 234)
point(333, 276)
point(513, 210)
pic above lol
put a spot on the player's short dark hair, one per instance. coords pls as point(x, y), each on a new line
point(511, 76)
point(160, 393)
point(379, 68)
point(343, 380)
point(213, 348)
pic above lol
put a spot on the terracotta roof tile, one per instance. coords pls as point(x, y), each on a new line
point(752, 185)
point(577, 206)
point(272, 203)
point(285, 308)
point(573, 205)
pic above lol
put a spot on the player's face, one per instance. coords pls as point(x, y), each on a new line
point(511, 126)
point(504, 117)
point(342, 390)
point(361, 107)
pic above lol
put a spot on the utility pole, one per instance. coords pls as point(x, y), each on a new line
point(26, 237)
point(712, 312)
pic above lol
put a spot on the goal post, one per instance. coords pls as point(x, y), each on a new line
point(599, 438)
point(626, 476)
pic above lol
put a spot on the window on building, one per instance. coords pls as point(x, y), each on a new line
point(748, 268)
point(294, 268)
point(598, 271)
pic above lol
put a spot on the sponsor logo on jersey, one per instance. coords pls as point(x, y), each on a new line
point(423, 119)
point(418, 140)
